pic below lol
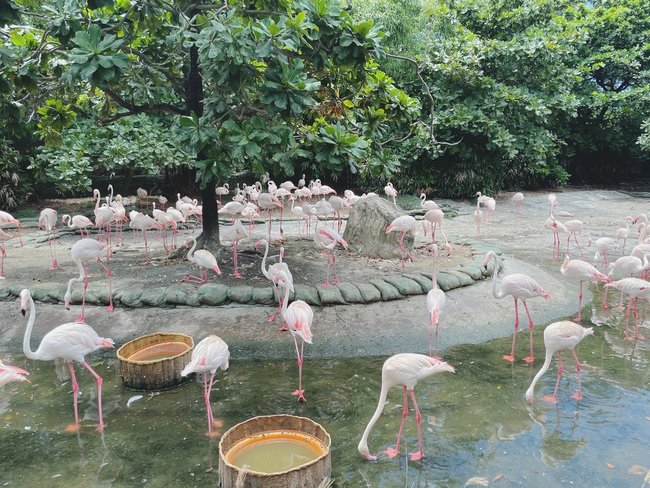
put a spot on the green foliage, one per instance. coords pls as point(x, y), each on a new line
point(644, 138)
point(95, 59)
point(131, 145)
point(13, 188)
point(54, 117)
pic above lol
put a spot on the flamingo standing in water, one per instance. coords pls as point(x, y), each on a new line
point(7, 218)
point(404, 370)
point(327, 240)
point(298, 316)
point(234, 234)
point(559, 336)
point(520, 287)
point(636, 288)
point(205, 260)
point(9, 374)
point(403, 224)
point(210, 355)
point(436, 301)
point(84, 252)
point(47, 221)
point(581, 271)
point(517, 198)
point(70, 342)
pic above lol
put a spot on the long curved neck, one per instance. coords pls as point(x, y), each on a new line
point(190, 254)
point(285, 300)
point(422, 198)
point(363, 443)
point(434, 280)
point(265, 271)
point(96, 192)
point(28, 332)
point(82, 274)
point(495, 286)
point(110, 188)
point(545, 366)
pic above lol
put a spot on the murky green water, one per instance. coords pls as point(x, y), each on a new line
point(476, 422)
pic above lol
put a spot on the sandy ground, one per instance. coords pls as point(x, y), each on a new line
point(472, 314)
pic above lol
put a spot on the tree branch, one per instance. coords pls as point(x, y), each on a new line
point(165, 72)
point(133, 108)
point(418, 69)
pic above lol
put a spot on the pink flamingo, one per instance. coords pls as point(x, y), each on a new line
point(436, 301)
point(339, 204)
point(4, 237)
point(298, 316)
point(267, 201)
point(623, 233)
point(404, 370)
point(391, 192)
point(84, 252)
point(210, 355)
point(403, 224)
point(581, 271)
point(103, 218)
point(428, 205)
point(478, 218)
point(234, 234)
point(144, 223)
point(327, 240)
point(520, 287)
point(9, 374)
point(7, 218)
point(557, 337)
point(276, 272)
point(517, 198)
point(222, 191)
point(604, 246)
point(552, 223)
point(47, 221)
point(434, 218)
point(205, 259)
point(70, 342)
point(636, 288)
point(80, 222)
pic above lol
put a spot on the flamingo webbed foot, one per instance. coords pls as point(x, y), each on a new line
point(577, 395)
point(72, 428)
point(300, 395)
point(550, 399)
point(369, 457)
point(110, 308)
point(508, 357)
point(391, 452)
point(529, 359)
point(283, 328)
point(417, 456)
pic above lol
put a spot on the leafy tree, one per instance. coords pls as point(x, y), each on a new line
point(273, 85)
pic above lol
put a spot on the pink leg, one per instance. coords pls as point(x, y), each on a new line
point(327, 279)
point(416, 456)
point(235, 272)
point(560, 369)
point(147, 260)
point(75, 395)
point(575, 238)
point(109, 273)
point(579, 303)
point(511, 357)
point(336, 275)
point(82, 317)
point(578, 394)
point(207, 390)
point(3, 253)
point(300, 393)
point(531, 356)
point(55, 264)
point(98, 379)
point(392, 452)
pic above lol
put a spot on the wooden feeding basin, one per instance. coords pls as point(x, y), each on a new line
point(275, 451)
point(155, 361)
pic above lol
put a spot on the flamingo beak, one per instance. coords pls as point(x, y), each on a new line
point(23, 311)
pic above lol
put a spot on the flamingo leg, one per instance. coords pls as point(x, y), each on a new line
point(578, 394)
point(109, 273)
point(419, 454)
point(99, 380)
point(327, 279)
point(3, 253)
point(575, 238)
point(511, 357)
point(336, 275)
point(579, 303)
point(235, 272)
point(392, 452)
point(531, 356)
point(82, 317)
point(300, 393)
point(75, 395)
point(147, 260)
point(206, 397)
point(51, 240)
point(560, 369)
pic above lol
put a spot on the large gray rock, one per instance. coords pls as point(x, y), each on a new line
point(365, 231)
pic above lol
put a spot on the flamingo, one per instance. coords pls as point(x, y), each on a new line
point(636, 288)
point(221, 191)
point(404, 369)
point(327, 240)
point(552, 203)
point(391, 192)
point(80, 222)
point(552, 223)
point(520, 287)
point(557, 337)
point(250, 211)
point(166, 220)
point(275, 272)
point(205, 259)
point(298, 316)
point(428, 204)
point(403, 224)
point(70, 342)
point(234, 209)
point(268, 201)
point(142, 196)
point(573, 228)
point(434, 218)
point(210, 355)
point(7, 218)
point(84, 252)
point(623, 233)
point(436, 301)
point(517, 198)
point(9, 374)
point(604, 246)
point(4, 237)
point(339, 204)
point(301, 182)
point(103, 218)
point(581, 271)
point(234, 234)
point(478, 218)
point(144, 223)
point(47, 221)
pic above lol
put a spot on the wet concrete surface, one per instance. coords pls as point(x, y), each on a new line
point(472, 314)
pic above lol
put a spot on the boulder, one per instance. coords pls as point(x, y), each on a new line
point(365, 231)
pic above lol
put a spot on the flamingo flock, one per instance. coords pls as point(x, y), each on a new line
point(72, 342)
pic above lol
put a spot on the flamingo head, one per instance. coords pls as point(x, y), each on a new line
point(24, 298)
point(441, 366)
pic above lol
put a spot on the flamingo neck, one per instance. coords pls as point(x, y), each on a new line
point(28, 331)
point(190, 254)
point(495, 288)
point(363, 443)
point(265, 271)
point(544, 368)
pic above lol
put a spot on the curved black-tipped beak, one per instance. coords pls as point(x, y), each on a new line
point(67, 307)
point(23, 311)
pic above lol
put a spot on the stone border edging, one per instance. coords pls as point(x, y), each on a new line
point(216, 294)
